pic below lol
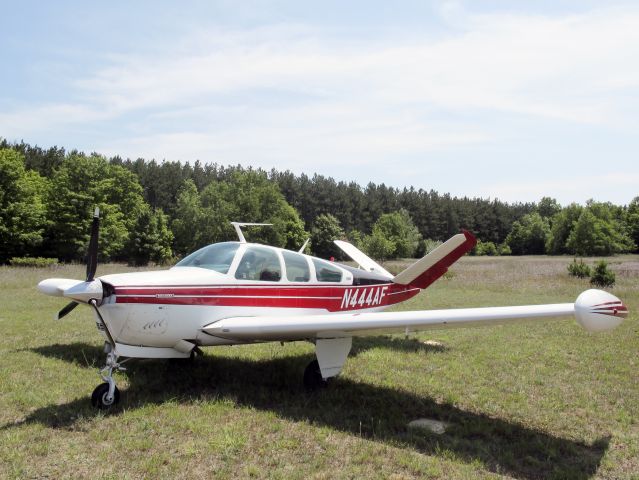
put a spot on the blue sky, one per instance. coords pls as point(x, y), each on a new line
point(509, 100)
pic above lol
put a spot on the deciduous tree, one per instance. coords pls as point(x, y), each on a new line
point(22, 209)
point(326, 228)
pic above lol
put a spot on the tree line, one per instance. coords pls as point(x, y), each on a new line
point(157, 211)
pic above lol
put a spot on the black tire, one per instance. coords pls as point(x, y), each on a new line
point(98, 397)
point(313, 377)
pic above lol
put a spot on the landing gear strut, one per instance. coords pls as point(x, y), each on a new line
point(107, 395)
point(331, 353)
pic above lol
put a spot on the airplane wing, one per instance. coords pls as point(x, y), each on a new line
point(595, 310)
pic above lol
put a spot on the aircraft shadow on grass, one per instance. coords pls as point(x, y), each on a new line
point(373, 412)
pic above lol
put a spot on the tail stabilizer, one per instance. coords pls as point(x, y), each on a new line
point(362, 259)
point(425, 271)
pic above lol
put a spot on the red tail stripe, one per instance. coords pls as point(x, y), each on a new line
point(441, 267)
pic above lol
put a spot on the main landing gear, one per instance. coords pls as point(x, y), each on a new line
point(313, 379)
point(330, 355)
point(107, 395)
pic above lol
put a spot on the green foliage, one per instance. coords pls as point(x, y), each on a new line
point(22, 208)
point(548, 207)
point(529, 235)
point(356, 238)
point(377, 246)
point(326, 228)
point(632, 221)
point(489, 249)
point(602, 276)
point(426, 246)
point(77, 186)
point(598, 231)
point(150, 239)
point(562, 224)
point(38, 262)
point(484, 248)
point(50, 214)
point(398, 229)
point(246, 196)
point(579, 269)
point(504, 249)
point(189, 216)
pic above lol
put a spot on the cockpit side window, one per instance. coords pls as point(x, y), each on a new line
point(325, 272)
point(297, 269)
point(259, 264)
point(218, 257)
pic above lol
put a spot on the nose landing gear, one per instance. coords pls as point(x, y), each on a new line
point(107, 395)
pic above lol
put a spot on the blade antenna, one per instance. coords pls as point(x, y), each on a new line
point(301, 250)
point(238, 228)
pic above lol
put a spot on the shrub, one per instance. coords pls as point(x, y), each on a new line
point(579, 269)
point(429, 245)
point(490, 249)
point(504, 249)
point(38, 262)
point(601, 276)
point(484, 248)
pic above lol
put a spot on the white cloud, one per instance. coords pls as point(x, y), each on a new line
point(22, 123)
point(298, 97)
point(524, 64)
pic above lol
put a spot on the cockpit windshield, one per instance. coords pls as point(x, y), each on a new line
point(218, 257)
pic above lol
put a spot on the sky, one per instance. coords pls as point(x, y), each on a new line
point(494, 99)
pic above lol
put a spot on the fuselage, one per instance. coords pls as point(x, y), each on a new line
point(231, 279)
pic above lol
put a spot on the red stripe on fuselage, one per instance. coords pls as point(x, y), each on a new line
point(326, 297)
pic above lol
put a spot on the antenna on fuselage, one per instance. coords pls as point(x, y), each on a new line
point(238, 228)
point(301, 250)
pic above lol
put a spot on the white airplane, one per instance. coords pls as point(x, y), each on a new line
point(239, 293)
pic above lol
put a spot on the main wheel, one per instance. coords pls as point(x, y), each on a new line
point(99, 397)
point(313, 377)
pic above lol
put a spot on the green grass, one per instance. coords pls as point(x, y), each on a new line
point(542, 400)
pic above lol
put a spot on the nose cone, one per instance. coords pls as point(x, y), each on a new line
point(84, 292)
point(598, 311)
point(56, 286)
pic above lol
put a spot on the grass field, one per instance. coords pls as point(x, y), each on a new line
point(543, 400)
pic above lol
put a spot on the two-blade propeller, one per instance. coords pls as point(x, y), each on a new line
point(92, 260)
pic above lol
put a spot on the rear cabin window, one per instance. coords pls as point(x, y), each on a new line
point(325, 272)
point(218, 257)
point(297, 269)
point(259, 264)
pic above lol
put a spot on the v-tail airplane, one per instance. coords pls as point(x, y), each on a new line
point(238, 292)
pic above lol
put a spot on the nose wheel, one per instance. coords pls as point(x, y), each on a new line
point(101, 399)
point(107, 395)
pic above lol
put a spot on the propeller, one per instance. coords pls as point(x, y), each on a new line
point(92, 260)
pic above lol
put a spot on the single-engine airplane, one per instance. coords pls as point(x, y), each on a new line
point(238, 293)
